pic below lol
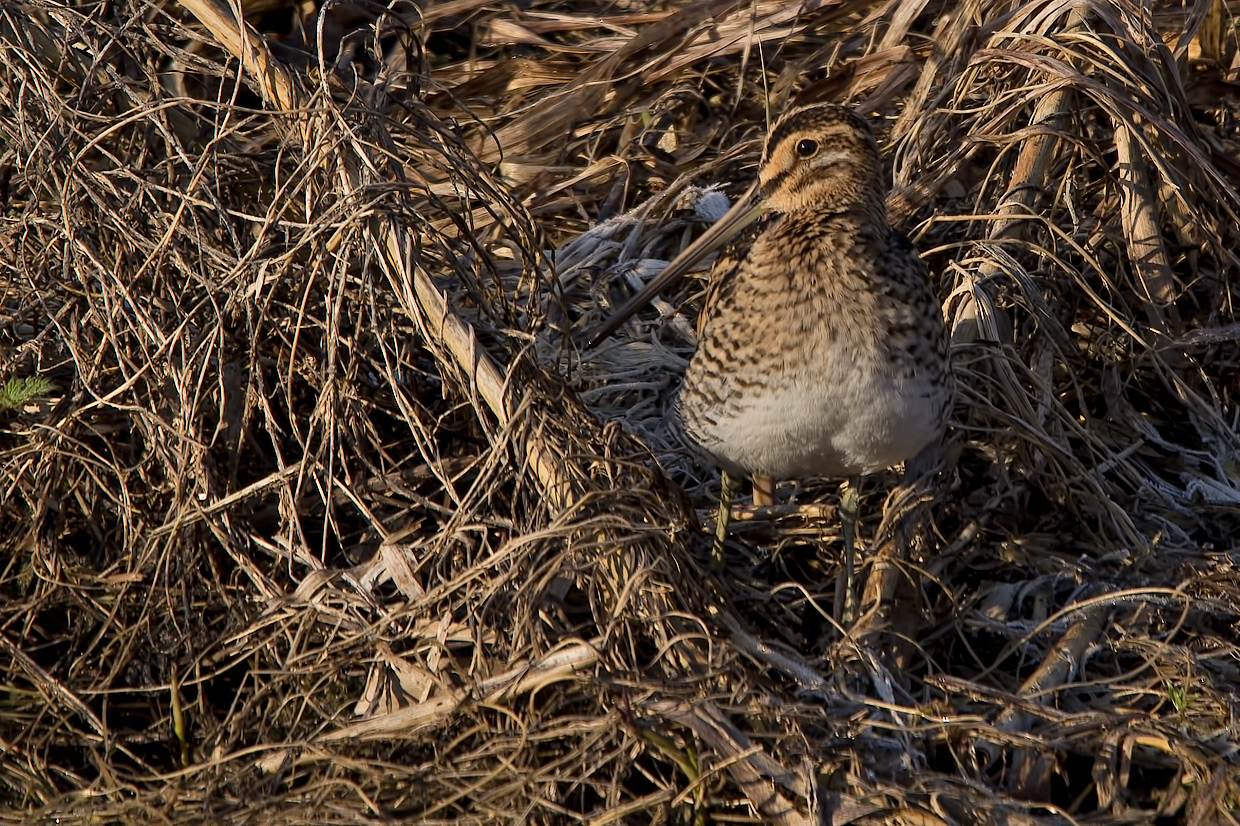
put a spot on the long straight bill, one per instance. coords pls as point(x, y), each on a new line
point(746, 210)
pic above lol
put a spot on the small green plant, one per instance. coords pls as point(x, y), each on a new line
point(1180, 697)
point(18, 392)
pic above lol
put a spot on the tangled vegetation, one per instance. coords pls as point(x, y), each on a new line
point(316, 507)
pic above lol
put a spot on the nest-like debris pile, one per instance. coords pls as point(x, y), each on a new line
point(315, 507)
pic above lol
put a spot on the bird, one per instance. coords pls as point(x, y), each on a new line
point(822, 349)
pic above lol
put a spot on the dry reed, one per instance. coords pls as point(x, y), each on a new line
point(315, 509)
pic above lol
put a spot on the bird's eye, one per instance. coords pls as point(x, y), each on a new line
point(807, 148)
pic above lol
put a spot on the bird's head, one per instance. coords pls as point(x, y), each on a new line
point(819, 158)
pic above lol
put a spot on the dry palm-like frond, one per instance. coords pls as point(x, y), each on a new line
point(324, 510)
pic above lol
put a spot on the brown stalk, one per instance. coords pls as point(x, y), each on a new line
point(438, 320)
point(1143, 233)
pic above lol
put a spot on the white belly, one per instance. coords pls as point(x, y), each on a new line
point(805, 428)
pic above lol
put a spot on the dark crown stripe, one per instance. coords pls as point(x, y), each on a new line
point(817, 117)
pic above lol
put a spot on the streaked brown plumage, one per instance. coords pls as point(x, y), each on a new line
point(822, 349)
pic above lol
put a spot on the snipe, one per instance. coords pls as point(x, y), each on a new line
point(821, 348)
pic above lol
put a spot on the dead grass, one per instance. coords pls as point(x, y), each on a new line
point(327, 517)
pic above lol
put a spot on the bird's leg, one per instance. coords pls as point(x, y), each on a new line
point(847, 600)
point(721, 521)
point(763, 490)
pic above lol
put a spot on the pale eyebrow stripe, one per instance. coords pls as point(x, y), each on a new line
point(827, 130)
